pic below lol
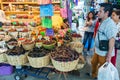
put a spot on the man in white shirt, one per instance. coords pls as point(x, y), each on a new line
point(108, 27)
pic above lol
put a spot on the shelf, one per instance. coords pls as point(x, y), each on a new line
point(26, 12)
point(56, 2)
point(26, 3)
point(21, 12)
point(19, 3)
point(57, 12)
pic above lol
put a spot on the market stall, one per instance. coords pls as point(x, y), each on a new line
point(38, 42)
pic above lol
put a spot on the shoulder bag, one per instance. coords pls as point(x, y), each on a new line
point(103, 44)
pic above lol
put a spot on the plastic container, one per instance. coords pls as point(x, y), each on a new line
point(5, 69)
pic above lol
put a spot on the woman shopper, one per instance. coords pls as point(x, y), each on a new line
point(88, 39)
point(116, 18)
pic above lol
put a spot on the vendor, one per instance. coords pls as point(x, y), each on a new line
point(65, 24)
point(2, 17)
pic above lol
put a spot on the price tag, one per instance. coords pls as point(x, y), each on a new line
point(39, 37)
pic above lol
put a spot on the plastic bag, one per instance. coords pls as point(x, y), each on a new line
point(46, 10)
point(44, 2)
point(47, 22)
point(108, 72)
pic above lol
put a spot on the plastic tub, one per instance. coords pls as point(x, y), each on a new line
point(5, 69)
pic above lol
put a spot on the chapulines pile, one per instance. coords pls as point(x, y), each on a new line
point(11, 40)
point(38, 52)
point(64, 54)
point(16, 51)
point(68, 36)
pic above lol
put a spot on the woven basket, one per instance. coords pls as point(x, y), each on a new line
point(76, 38)
point(38, 44)
point(50, 46)
point(24, 34)
point(2, 57)
point(39, 62)
point(28, 46)
point(6, 28)
point(17, 60)
point(13, 34)
point(81, 63)
point(65, 66)
point(79, 50)
point(2, 32)
point(77, 46)
point(10, 46)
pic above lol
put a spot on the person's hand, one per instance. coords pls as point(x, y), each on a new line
point(108, 57)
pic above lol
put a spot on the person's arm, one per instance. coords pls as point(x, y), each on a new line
point(111, 46)
point(111, 33)
point(88, 23)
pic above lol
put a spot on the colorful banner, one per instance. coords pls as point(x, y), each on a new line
point(46, 10)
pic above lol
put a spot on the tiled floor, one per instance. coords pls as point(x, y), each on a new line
point(53, 76)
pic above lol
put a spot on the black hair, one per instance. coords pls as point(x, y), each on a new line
point(65, 20)
point(107, 7)
point(92, 17)
point(117, 12)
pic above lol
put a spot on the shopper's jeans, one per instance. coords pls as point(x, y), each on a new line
point(88, 36)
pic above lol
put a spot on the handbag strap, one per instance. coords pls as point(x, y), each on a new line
point(99, 35)
point(101, 32)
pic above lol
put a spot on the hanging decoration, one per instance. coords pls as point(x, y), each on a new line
point(63, 12)
point(46, 10)
point(49, 32)
point(62, 3)
point(47, 22)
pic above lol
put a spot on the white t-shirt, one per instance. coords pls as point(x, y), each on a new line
point(2, 16)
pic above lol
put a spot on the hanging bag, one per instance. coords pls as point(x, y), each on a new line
point(63, 12)
point(46, 10)
point(47, 22)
